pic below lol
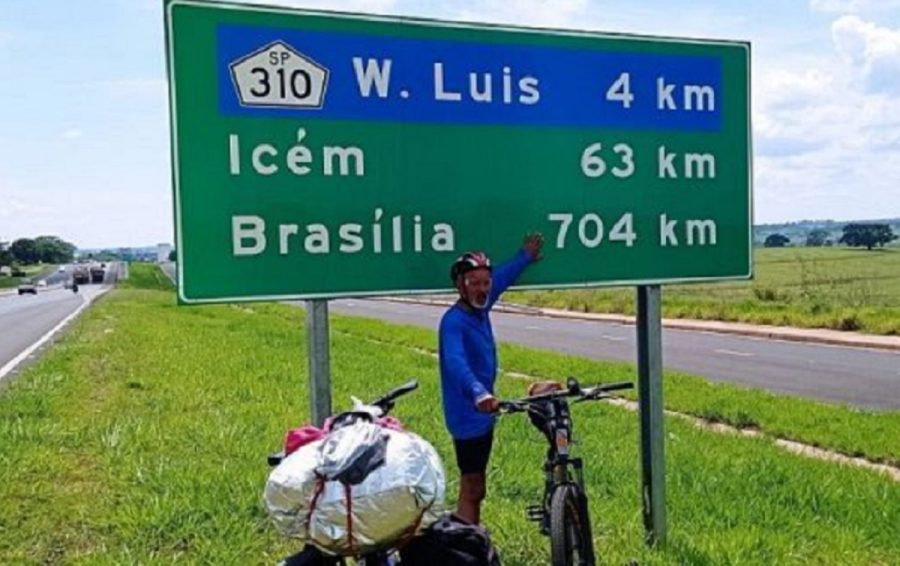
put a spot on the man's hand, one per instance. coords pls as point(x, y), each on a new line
point(533, 244)
point(541, 387)
point(488, 404)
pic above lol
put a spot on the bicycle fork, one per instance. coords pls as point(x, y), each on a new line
point(556, 474)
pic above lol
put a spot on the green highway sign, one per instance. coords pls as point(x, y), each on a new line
point(319, 155)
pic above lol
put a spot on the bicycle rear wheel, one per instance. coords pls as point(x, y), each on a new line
point(570, 529)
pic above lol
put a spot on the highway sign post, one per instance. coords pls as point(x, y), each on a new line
point(319, 155)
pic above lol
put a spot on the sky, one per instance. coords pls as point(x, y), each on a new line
point(84, 129)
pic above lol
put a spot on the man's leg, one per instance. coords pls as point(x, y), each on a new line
point(472, 489)
point(472, 455)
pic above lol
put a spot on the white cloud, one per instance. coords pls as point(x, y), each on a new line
point(12, 206)
point(872, 50)
point(852, 6)
point(87, 218)
point(5, 38)
point(365, 6)
point(138, 87)
point(834, 6)
point(71, 134)
point(827, 126)
point(544, 13)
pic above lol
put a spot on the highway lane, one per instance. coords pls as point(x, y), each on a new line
point(857, 376)
point(24, 319)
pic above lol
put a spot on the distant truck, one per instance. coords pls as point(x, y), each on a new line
point(80, 275)
point(97, 274)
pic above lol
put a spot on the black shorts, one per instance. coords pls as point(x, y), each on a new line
point(472, 454)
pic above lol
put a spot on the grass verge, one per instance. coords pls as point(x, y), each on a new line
point(36, 271)
point(837, 288)
point(141, 438)
point(146, 276)
point(851, 431)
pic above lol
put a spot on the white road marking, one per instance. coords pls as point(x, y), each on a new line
point(734, 353)
point(613, 338)
point(532, 328)
point(27, 352)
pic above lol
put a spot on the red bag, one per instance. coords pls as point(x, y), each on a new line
point(303, 435)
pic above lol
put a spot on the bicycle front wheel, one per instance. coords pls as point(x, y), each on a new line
point(570, 538)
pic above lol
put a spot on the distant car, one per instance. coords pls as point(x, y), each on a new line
point(27, 287)
point(62, 269)
point(42, 283)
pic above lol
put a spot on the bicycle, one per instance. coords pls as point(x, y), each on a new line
point(310, 555)
point(563, 511)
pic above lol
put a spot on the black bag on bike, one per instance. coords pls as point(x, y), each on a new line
point(309, 556)
point(451, 541)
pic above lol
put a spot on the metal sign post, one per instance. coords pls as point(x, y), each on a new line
point(319, 362)
point(650, 408)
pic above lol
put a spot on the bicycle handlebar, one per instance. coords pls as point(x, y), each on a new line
point(387, 401)
point(574, 390)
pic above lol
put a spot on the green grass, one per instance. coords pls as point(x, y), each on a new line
point(36, 271)
point(146, 276)
point(838, 288)
point(141, 438)
point(852, 431)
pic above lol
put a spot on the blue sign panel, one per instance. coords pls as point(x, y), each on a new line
point(390, 79)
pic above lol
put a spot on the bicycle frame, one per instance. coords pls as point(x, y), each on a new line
point(559, 437)
point(564, 475)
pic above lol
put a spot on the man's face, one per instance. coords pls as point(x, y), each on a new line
point(475, 287)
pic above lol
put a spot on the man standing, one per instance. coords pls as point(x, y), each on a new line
point(468, 360)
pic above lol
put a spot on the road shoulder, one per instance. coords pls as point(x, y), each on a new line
point(791, 334)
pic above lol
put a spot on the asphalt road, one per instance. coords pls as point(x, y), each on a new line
point(857, 376)
point(26, 318)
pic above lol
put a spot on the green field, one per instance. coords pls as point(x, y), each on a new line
point(838, 288)
point(141, 438)
point(35, 272)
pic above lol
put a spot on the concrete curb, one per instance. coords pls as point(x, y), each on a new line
point(790, 334)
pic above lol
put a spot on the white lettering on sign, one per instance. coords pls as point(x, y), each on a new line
point(593, 165)
point(620, 91)
point(695, 165)
point(278, 75)
point(667, 235)
point(249, 236)
point(245, 228)
point(701, 231)
point(591, 230)
point(697, 232)
point(376, 73)
point(483, 87)
point(266, 159)
point(697, 98)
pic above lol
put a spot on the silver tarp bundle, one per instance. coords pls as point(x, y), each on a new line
point(363, 487)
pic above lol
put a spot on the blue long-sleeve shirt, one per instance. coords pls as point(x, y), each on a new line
point(468, 356)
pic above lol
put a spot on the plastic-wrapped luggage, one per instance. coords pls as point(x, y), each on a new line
point(362, 487)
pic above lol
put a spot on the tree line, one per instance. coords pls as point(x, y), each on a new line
point(43, 249)
point(854, 235)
